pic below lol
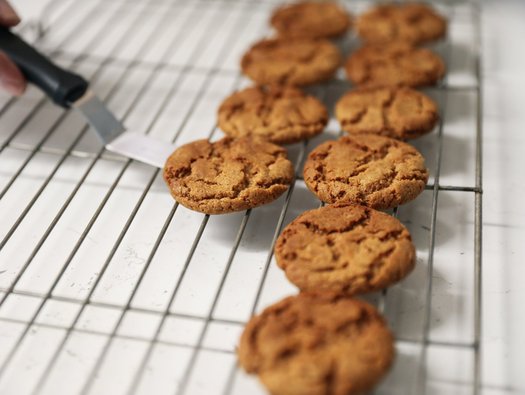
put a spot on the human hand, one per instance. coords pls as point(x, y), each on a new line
point(11, 78)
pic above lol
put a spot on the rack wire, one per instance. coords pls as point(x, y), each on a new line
point(107, 286)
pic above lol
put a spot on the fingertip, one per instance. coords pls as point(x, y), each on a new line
point(8, 16)
point(11, 78)
point(14, 87)
point(18, 88)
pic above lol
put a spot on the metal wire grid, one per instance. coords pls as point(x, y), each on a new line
point(164, 292)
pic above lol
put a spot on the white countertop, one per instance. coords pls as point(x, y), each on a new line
point(503, 209)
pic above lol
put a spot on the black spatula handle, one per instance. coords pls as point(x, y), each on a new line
point(62, 86)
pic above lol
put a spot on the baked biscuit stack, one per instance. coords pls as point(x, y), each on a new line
point(323, 340)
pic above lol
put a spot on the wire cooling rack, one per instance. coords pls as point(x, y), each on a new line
point(108, 287)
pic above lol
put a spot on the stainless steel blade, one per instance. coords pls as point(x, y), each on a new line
point(142, 148)
point(99, 117)
point(112, 133)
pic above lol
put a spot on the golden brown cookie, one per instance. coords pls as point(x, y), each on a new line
point(280, 114)
point(291, 61)
point(395, 64)
point(310, 19)
point(375, 171)
point(317, 344)
point(345, 248)
point(228, 175)
point(401, 113)
point(411, 22)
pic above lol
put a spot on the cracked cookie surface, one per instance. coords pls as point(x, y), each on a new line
point(228, 175)
point(401, 113)
point(374, 171)
point(291, 61)
point(395, 64)
point(310, 19)
point(345, 248)
point(280, 114)
point(412, 22)
point(317, 344)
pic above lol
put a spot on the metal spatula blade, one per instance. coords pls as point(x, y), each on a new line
point(67, 89)
point(142, 148)
point(112, 133)
point(99, 117)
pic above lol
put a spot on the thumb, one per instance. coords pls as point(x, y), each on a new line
point(11, 78)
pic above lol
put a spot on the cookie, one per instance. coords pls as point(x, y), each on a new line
point(291, 61)
point(395, 64)
point(345, 248)
point(280, 114)
point(317, 344)
point(401, 113)
point(411, 22)
point(228, 175)
point(311, 19)
point(375, 171)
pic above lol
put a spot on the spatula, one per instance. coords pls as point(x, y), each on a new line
point(70, 90)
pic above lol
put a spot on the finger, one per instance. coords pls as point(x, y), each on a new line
point(11, 78)
point(8, 16)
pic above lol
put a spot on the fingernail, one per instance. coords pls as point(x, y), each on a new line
point(7, 13)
